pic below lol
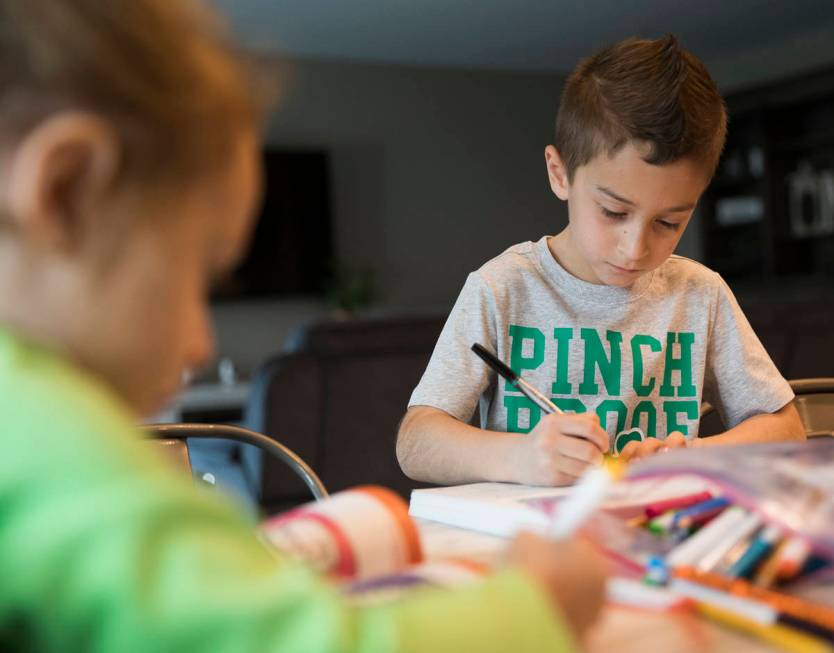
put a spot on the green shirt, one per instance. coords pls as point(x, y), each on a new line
point(104, 547)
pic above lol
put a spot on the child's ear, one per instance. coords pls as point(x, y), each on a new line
point(58, 174)
point(556, 173)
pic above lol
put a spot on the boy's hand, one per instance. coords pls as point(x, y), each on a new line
point(572, 573)
point(637, 450)
point(559, 449)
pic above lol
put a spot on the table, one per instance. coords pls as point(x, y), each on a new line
point(619, 630)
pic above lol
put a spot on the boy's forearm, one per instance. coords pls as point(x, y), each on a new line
point(435, 447)
point(784, 424)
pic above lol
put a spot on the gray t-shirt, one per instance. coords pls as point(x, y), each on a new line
point(641, 357)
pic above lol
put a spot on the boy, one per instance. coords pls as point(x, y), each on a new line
point(128, 175)
point(626, 338)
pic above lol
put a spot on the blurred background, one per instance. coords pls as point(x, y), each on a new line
point(407, 149)
point(431, 117)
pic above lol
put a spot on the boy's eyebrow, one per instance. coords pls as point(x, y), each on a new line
point(623, 200)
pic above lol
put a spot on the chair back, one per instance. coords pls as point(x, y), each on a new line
point(176, 451)
point(339, 397)
point(815, 403)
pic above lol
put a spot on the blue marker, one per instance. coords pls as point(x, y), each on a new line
point(692, 513)
point(760, 547)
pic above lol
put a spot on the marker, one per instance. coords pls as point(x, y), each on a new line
point(658, 508)
point(759, 548)
point(784, 637)
point(515, 380)
point(662, 524)
point(766, 575)
point(753, 608)
point(687, 524)
point(755, 612)
point(738, 533)
point(691, 551)
point(633, 593)
point(802, 609)
point(793, 557)
point(695, 514)
point(588, 493)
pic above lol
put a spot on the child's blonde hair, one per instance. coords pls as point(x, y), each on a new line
point(158, 70)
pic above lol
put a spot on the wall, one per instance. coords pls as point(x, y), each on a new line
point(433, 172)
point(776, 59)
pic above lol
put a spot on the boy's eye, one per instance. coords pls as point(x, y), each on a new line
point(613, 214)
point(668, 225)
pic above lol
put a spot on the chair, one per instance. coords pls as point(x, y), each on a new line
point(173, 437)
point(814, 401)
point(338, 397)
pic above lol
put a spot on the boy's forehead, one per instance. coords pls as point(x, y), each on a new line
point(625, 176)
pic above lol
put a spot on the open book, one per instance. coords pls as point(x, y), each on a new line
point(503, 509)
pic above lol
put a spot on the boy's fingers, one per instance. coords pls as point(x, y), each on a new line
point(578, 449)
point(582, 425)
point(675, 439)
point(570, 466)
point(629, 450)
point(637, 450)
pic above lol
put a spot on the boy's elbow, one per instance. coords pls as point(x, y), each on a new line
point(795, 428)
point(404, 444)
point(407, 438)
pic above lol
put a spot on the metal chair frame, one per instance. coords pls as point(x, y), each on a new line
point(239, 434)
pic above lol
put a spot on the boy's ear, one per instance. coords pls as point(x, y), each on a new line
point(556, 173)
point(58, 174)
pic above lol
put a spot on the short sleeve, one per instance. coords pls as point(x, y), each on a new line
point(455, 377)
point(740, 378)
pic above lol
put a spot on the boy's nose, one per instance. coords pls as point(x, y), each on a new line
point(633, 244)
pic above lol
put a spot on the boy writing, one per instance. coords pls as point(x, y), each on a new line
point(626, 338)
point(128, 149)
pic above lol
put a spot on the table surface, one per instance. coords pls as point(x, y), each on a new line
point(619, 630)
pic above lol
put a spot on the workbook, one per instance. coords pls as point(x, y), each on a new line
point(504, 509)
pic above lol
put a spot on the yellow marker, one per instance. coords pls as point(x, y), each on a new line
point(781, 636)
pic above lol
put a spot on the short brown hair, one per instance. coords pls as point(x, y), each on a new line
point(159, 70)
point(650, 91)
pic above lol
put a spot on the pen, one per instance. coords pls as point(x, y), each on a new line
point(515, 380)
point(590, 490)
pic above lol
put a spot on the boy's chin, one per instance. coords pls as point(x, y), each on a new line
point(612, 276)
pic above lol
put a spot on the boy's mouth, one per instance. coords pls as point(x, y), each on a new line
point(622, 270)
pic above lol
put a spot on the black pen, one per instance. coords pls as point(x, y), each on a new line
point(515, 380)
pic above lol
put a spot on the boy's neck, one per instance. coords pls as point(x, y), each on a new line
point(563, 250)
